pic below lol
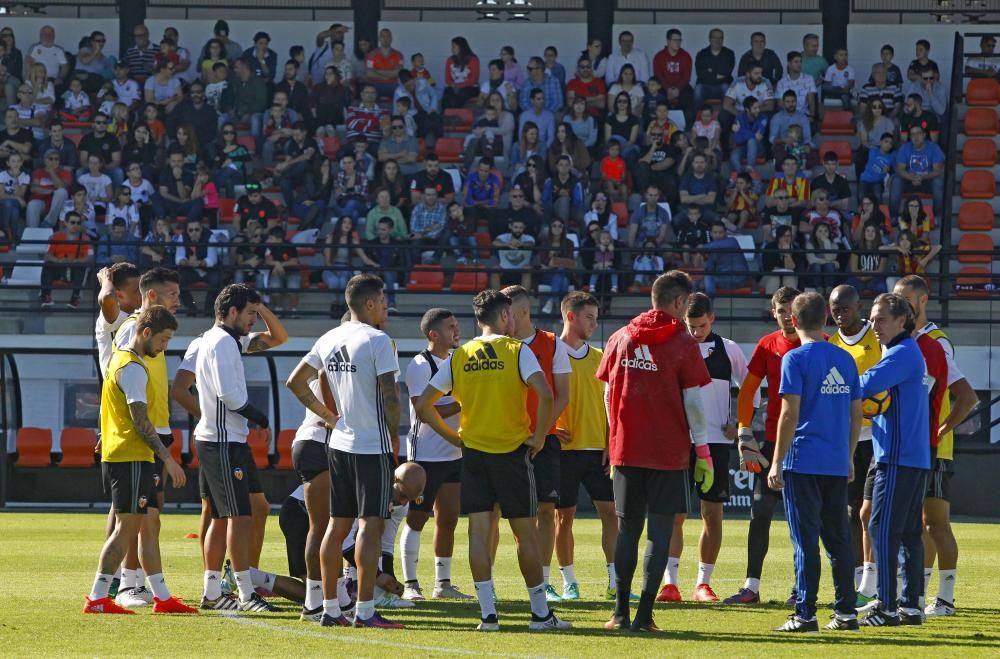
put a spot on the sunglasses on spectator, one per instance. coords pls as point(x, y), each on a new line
point(928, 77)
point(398, 127)
point(781, 196)
point(99, 40)
point(73, 222)
point(531, 165)
point(600, 198)
point(52, 158)
point(229, 132)
point(194, 230)
point(100, 123)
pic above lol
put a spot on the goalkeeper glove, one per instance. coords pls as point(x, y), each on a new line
point(751, 459)
point(704, 470)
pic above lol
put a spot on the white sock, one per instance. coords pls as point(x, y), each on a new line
point(159, 587)
point(539, 607)
point(859, 572)
point(946, 585)
point(612, 576)
point(928, 573)
point(213, 585)
point(869, 580)
point(673, 564)
point(568, 574)
point(261, 579)
point(140, 578)
point(409, 551)
point(102, 582)
point(331, 608)
point(314, 594)
point(128, 579)
point(442, 569)
point(705, 573)
point(484, 592)
point(244, 581)
point(545, 575)
point(752, 584)
point(342, 596)
point(118, 574)
point(351, 573)
point(364, 610)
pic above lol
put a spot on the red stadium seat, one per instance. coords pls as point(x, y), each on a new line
point(975, 242)
point(248, 142)
point(975, 276)
point(257, 440)
point(983, 91)
point(845, 156)
point(837, 122)
point(980, 122)
point(976, 216)
point(331, 145)
point(485, 244)
point(34, 447)
point(458, 120)
point(449, 149)
point(620, 209)
point(426, 279)
point(469, 280)
point(74, 137)
point(77, 446)
point(285, 438)
point(978, 184)
point(175, 448)
point(745, 289)
point(979, 153)
point(227, 210)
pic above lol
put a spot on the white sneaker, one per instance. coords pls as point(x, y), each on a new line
point(939, 608)
point(133, 598)
point(873, 604)
point(551, 623)
point(448, 592)
point(391, 601)
point(413, 593)
point(488, 624)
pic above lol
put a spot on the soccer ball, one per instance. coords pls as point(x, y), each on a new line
point(876, 405)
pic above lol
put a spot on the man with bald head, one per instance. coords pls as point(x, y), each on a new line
point(855, 335)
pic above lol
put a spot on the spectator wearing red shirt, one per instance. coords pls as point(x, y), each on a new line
point(382, 64)
point(672, 68)
point(50, 186)
point(586, 86)
point(68, 254)
point(649, 440)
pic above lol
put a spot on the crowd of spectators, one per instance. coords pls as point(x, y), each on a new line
point(594, 171)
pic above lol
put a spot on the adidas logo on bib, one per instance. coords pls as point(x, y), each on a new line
point(643, 360)
point(484, 359)
point(834, 383)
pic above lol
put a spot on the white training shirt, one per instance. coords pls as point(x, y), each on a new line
point(353, 356)
point(191, 355)
point(222, 388)
point(560, 360)
point(103, 332)
point(312, 427)
point(132, 380)
point(423, 443)
point(527, 365)
point(717, 395)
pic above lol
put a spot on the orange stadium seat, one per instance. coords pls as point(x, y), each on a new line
point(331, 145)
point(469, 280)
point(979, 153)
point(227, 210)
point(981, 122)
point(458, 120)
point(978, 184)
point(34, 447)
point(976, 276)
point(426, 279)
point(175, 448)
point(77, 446)
point(285, 438)
point(975, 242)
point(976, 216)
point(485, 244)
point(845, 155)
point(257, 439)
point(837, 122)
point(983, 91)
point(449, 149)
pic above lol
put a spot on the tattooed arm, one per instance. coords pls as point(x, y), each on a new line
point(275, 335)
point(298, 384)
point(390, 407)
point(140, 417)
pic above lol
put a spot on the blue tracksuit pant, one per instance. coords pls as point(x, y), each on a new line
point(897, 514)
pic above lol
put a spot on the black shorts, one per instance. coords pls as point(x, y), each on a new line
point(939, 479)
point(856, 489)
point(253, 475)
point(226, 469)
point(360, 484)
point(639, 491)
point(870, 481)
point(507, 479)
point(294, 522)
point(719, 492)
point(129, 484)
point(583, 468)
point(547, 470)
point(154, 500)
point(309, 459)
point(438, 473)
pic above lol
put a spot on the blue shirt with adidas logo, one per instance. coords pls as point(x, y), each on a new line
point(825, 378)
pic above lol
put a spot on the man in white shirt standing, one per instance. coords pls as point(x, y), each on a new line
point(628, 54)
point(441, 460)
point(360, 365)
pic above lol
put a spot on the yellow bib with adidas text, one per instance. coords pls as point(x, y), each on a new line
point(158, 389)
point(585, 417)
point(866, 353)
point(120, 439)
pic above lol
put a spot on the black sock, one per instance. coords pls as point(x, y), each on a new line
point(626, 559)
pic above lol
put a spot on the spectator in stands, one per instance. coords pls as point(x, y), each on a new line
point(66, 260)
point(78, 203)
point(248, 251)
point(713, 65)
point(741, 203)
point(814, 64)
point(231, 159)
point(217, 86)
point(749, 131)
point(461, 236)
point(791, 181)
point(531, 175)
point(789, 115)
point(522, 208)
point(627, 54)
point(214, 53)
point(656, 165)
point(691, 233)
point(552, 66)
point(180, 55)
point(801, 84)
point(650, 221)
point(118, 246)
point(878, 88)
point(74, 104)
point(141, 192)
point(914, 115)
point(760, 54)
point(245, 98)
point(567, 144)
point(598, 58)
point(43, 90)
point(600, 213)
point(400, 147)
point(839, 80)
point(552, 95)
point(122, 206)
point(933, 93)
point(496, 82)
point(563, 193)
point(591, 89)
point(432, 176)
point(699, 187)
point(328, 99)
point(382, 64)
point(323, 56)
point(342, 246)
point(604, 261)
point(614, 173)
point(922, 50)
point(823, 256)
point(275, 127)
point(823, 213)
point(582, 123)
point(869, 212)
point(157, 245)
point(707, 127)
point(481, 192)
point(383, 208)
point(461, 75)
point(986, 64)
point(879, 165)
point(14, 138)
point(141, 57)
point(783, 259)
point(195, 112)
point(388, 257)
point(672, 67)
point(628, 84)
point(365, 118)
point(186, 142)
point(514, 251)
point(47, 53)
point(837, 189)
point(33, 115)
point(350, 191)
point(429, 226)
point(197, 260)
point(782, 213)
point(423, 104)
point(754, 85)
point(485, 138)
point(104, 145)
point(868, 263)
point(179, 193)
point(556, 259)
point(647, 266)
point(920, 169)
point(512, 71)
point(873, 124)
point(527, 147)
point(915, 220)
point(914, 254)
point(282, 271)
point(14, 182)
point(263, 60)
point(622, 127)
point(124, 88)
point(295, 171)
point(163, 88)
point(231, 48)
point(50, 185)
point(725, 264)
point(392, 180)
point(359, 61)
point(96, 182)
point(13, 58)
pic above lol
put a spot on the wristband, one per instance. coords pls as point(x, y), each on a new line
point(702, 451)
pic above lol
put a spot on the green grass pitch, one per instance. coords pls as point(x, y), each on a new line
point(47, 562)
